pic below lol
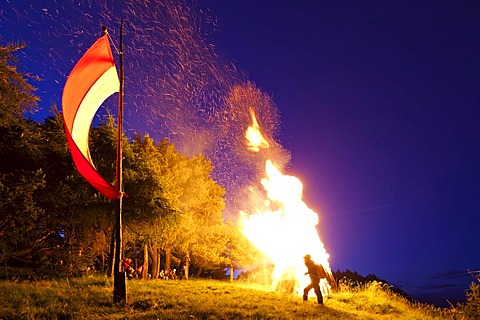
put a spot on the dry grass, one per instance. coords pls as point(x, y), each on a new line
point(90, 298)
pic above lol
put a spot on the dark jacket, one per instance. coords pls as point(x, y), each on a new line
point(312, 270)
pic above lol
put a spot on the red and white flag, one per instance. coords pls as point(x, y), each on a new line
point(93, 79)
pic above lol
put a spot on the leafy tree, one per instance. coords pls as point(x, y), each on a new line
point(20, 176)
point(101, 217)
point(73, 220)
point(21, 220)
point(202, 200)
point(175, 206)
point(51, 217)
point(79, 218)
point(199, 200)
point(208, 248)
point(149, 211)
point(16, 94)
point(240, 252)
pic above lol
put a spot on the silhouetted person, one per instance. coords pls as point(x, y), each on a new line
point(314, 279)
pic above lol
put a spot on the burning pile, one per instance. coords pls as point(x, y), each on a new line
point(284, 229)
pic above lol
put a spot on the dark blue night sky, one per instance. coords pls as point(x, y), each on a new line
point(380, 109)
point(379, 105)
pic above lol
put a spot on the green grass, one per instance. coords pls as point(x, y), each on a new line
point(91, 298)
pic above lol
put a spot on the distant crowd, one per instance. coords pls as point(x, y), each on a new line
point(137, 272)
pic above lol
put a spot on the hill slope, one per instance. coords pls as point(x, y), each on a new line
point(90, 298)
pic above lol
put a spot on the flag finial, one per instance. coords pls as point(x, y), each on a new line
point(104, 30)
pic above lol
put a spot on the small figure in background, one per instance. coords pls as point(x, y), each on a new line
point(127, 267)
point(184, 272)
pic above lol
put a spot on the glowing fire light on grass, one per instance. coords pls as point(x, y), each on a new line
point(285, 228)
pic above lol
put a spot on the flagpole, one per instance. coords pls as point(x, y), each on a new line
point(119, 279)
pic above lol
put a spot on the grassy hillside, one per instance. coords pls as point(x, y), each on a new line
point(90, 298)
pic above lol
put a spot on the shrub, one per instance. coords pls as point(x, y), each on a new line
point(471, 308)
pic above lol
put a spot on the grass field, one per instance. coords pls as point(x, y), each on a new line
point(91, 298)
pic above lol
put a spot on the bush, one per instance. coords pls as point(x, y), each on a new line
point(471, 309)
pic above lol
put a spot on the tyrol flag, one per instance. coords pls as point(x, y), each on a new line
point(93, 79)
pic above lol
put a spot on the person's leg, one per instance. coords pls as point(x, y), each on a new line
point(306, 290)
point(316, 287)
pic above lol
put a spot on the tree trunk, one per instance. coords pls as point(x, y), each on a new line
point(103, 263)
point(154, 261)
point(231, 273)
point(145, 261)
point(168, 259)
point(111, 257)
point(159, 254)
point(187, 266)
point(199, 272)
point(136, 268)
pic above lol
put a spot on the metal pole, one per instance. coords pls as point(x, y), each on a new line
point(119, 279)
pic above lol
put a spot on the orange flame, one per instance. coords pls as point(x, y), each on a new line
point(285, 229)
point(255, 139)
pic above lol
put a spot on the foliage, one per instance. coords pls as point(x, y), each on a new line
point(20, 177)
point(150, 192)
point(152, 214)
point(240, 252)
point(79, 219)
point(16, 94)
point(471, 308)
point(19, 236)
point(174, 204)
point(51, 218)
point(353, 278)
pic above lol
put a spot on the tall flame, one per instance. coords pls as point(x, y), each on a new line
point(255, 139)
point(285, 228)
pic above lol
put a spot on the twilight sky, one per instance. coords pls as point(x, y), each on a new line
point(379, 103)
point(379, 109)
